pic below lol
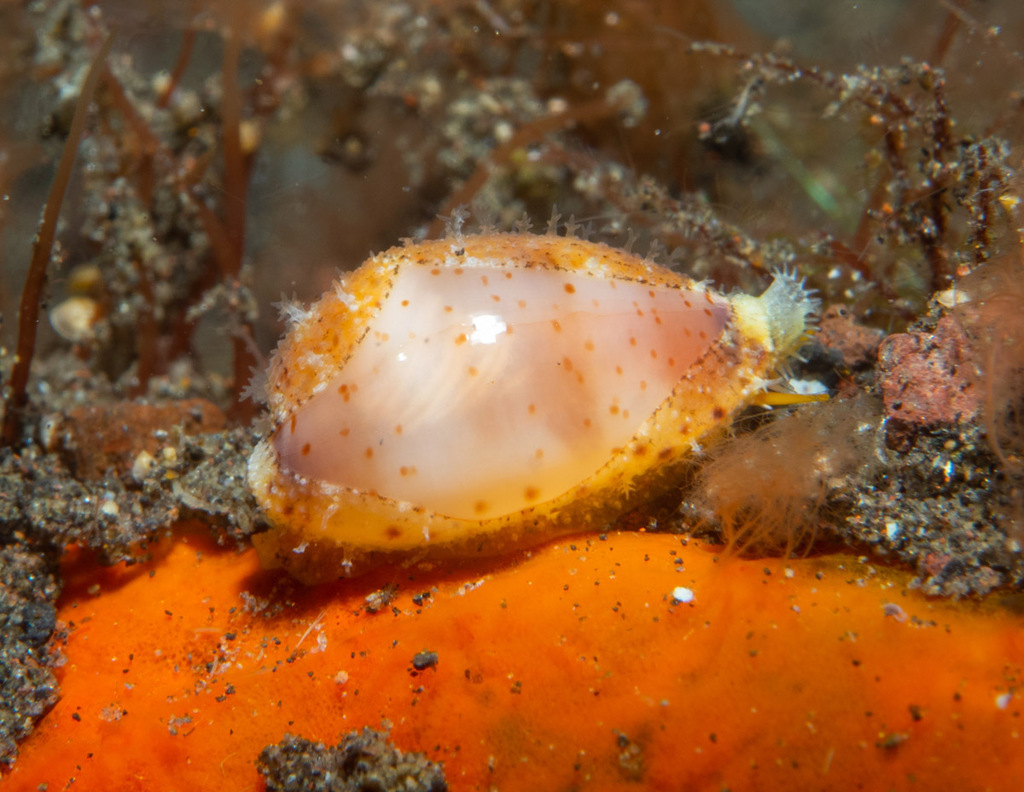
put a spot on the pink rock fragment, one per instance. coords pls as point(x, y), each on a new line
point(929, 378)
point(855, 343)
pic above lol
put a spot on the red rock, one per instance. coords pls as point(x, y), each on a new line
point(96, 439)
point(929, 378)
point(839, 331)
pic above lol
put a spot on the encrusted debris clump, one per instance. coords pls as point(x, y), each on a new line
point(28, 618)
point(937, 508)
point(362, 761)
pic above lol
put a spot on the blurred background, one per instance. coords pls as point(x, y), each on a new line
point(359, 122)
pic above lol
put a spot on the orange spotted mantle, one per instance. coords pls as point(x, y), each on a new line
point(478, 393)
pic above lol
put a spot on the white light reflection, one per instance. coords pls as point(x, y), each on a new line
point(487, 328)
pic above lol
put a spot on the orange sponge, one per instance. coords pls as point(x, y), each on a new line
point(585, 664)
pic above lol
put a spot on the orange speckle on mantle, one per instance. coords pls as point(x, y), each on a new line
point(570, 667)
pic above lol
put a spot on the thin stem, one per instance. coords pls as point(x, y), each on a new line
point(188, 42)
point(35, 280)
point(234, 159)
